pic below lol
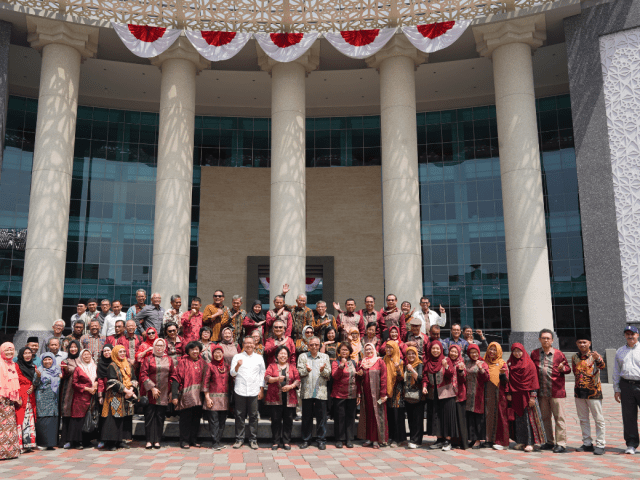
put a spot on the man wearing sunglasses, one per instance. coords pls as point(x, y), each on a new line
point(216, 316)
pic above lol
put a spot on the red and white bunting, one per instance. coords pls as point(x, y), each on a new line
point(435, 36)
point(286, 47)
point(360, 43)
point(145, 41)
point(215, 45)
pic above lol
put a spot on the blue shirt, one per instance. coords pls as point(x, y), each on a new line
point(461, 342)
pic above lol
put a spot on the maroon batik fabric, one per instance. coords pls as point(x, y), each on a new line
point(155, 372)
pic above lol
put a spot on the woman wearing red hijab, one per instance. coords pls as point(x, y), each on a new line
point(146, 347)
point(439, 384)
point(527, 429)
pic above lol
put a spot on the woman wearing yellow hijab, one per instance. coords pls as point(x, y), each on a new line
point(120, 396)
point(496, 399)
point(395, 401)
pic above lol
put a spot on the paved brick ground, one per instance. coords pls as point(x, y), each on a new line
point(363, 463)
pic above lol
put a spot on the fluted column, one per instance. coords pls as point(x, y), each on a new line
point(174, 176)
point(396, 63)
point(287, 247)
point(510, 45)
point(63, 46)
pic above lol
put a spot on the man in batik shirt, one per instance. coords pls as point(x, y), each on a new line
point(586, 367)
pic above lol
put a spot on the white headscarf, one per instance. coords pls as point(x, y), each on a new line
point(88, 367)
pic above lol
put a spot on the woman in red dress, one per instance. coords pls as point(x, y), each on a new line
point(85, 386)
point(372, 393)
point(155, 372)
point(26, 413)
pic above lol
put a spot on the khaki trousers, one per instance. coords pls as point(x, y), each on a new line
point(583, 408)
point(554, 406)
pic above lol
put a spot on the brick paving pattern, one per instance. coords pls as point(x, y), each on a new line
point(173, 463)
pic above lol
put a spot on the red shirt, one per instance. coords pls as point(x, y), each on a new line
point(551, 378)
point(191, 327)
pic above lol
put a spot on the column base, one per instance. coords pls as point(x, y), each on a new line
point(530, 340)
point(21, 336)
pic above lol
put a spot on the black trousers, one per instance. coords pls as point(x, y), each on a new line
point(415, 417)
point(313, 407)
point(246, 407)
point(397, 425)
point(154, 416)
point(630, 400)
point(216, 419)
point(282, 424)
point(190, 425)
point(345, 419)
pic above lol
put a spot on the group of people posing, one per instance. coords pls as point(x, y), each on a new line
point(385, 366)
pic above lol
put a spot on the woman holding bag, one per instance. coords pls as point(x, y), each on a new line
point(85, 386)
point(413, 403)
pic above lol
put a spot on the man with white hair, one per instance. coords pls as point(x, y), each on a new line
point(150, 316)
point(236, 317)
point(58, 327)
point(302, 315)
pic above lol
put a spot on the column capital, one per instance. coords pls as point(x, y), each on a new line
point(44, 31)
point(530, 30)
point(398, 46)
point(183, 50)
point(310, 60)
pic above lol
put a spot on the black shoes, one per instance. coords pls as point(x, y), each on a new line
point(338, 444)
point(349, 445)
point(304, 445)
point(322, 446)
point(547, 446)
point(185, 446)
point(559, 449)
point(585, 448)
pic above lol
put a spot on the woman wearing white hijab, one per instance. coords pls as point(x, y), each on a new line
point(85, 386)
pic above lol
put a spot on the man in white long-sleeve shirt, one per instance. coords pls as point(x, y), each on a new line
point(430, 317)
point(626, 385)
point(248, 370)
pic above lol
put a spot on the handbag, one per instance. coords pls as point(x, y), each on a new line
point(412, 395)
point(90, 421)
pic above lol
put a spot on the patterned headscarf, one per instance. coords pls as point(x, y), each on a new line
point(368, 362)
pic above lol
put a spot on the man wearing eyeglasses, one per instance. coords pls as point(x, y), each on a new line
point(279, 339)
point(216, 316)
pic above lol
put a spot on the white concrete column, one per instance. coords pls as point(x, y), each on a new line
point(63, 46)
point(174, 176)
point(287, 247)
point(396, 63)
point(510, 45)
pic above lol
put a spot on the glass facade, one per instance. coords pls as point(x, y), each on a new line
point(464, 261)
point(110, 244)
point(463, 245)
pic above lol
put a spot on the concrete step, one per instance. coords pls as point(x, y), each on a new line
point(171, 429)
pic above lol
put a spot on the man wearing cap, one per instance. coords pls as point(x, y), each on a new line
point(586, 367)
point(33, 344)
point(417, 339)
point(626, 385)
